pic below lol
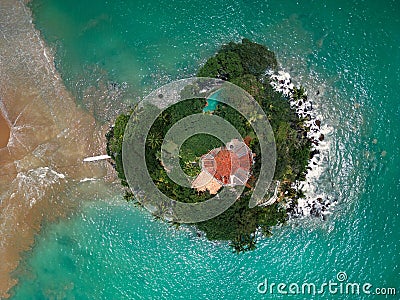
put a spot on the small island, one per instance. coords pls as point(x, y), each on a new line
point(215, 165)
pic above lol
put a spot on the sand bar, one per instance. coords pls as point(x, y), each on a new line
point(42, 164)
point(4, 131)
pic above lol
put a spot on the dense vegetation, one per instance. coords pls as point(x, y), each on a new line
point(115, 138)
point(243, 64)
point(193, 148)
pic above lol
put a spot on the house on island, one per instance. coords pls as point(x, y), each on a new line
point(224, 166)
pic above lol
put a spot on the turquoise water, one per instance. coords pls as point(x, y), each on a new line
point(347, 50)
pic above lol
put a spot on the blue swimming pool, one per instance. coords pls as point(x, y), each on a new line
point(212, 102)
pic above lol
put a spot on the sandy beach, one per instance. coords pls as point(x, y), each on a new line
point(4, 131)
point(49, 136)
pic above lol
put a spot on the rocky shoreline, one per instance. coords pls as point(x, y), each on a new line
point(313, 203)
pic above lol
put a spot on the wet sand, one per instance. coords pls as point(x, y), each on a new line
point(4, 131)
point(41, 167)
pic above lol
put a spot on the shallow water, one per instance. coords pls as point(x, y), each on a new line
point(49, 137)
point(346, 52)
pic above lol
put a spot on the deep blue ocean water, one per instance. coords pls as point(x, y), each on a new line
point(349, 51)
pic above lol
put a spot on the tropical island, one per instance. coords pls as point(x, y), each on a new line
point(250, 66)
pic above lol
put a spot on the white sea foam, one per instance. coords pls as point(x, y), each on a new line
point(87, 179)
point(314, 201)
point(34, 182)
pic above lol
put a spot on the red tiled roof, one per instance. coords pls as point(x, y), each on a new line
point(227, 163)
point(247, 140)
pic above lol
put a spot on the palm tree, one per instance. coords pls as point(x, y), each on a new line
point(251, 244)
point(154, 140)
point(166, 117)
point(299, 93)
point(160, 211)
point(237, 246)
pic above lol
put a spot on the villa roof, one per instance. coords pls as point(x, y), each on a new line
point(228, 165)
point(205, 181)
